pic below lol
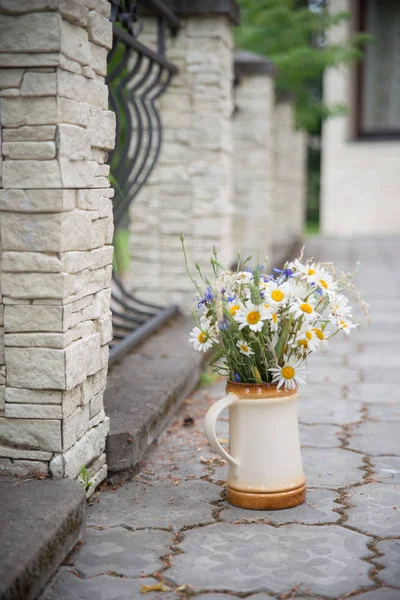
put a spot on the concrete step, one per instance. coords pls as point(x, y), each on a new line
point(40, 522)
point(145, 389)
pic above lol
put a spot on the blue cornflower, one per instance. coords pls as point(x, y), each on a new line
point(231, 298)
point(223, 326)
point(236, 377)
point(207, 298)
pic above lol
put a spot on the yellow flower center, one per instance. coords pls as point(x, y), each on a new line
point(288, 372)
point(274, 318)
point(306, 308)
point(244, 348)
point(266, 306)
point(233, 309)
point(343, 324)
point(323, 283)
point(311, 272)
point(309, 335)
point(202, 337)
point(277, 295)
point(303, 343)
point(319, 333)
point(253, 317)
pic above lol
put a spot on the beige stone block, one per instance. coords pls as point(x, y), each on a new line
point(3, 376)
point(77, 174)
point(73, 142)
point(74, 43)
point(2, 398)
point(96, 405)
point(20, 453)
point(70, 65)
point(94, 385)
point(74, 262)
point(73, 11)
point(31, 318)
point(95, 200)
point(23, 396)
point(29, 111)
point(72, 111)
point(2, 347)
point(81, 89)
point(30, 133)
point(36, 368)
point(75, 426)
point(101, 125)
point(37, 201)
point(105, 329)
point(39, 84)
point(71, 399)
point(22, 34)
point(33, 411)
point(34, 285)
point(30, 262)
point(104, 353)
point(26, 174)
point(98, 59)
point(36, 340)
point(11, 78)
point(38, 434)
point(82, 358)
point(100, 30)
point(22, 468)
point(23, 59)
point(29, 150)
point(27, 6)
point(85, 450)
point(97, 419)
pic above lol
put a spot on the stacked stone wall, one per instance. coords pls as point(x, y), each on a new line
point(56, 236)
point(191, 188)
point(289, 181)
point(252, 129)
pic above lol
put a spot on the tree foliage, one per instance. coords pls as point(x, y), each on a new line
point(293, 36)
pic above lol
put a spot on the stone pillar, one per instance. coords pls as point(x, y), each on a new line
point(191, 188)
point(56, 235)
point(290, 176)
point(252, 158)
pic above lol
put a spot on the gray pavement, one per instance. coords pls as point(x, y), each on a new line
point(171, 526)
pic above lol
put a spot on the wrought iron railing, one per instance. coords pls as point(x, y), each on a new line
point(137, 76)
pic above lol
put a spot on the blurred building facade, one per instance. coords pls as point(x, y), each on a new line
point(360, 150)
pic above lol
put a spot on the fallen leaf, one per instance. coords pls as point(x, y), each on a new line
point(155, 587)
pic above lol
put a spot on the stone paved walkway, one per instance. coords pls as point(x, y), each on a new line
point(171, 523)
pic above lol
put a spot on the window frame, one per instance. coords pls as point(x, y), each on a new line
point(378, 135)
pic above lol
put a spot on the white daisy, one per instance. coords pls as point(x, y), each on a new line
point(276, 295)
point(321, 337)
point(304, 308)
point(201, 337)
point(324, 281)
point(273, 316)
point(339, 306)
point(345, 324)
point(289, 375)
point(251, 315)
point(244, 348)
point(233, 307)
point(306, 340)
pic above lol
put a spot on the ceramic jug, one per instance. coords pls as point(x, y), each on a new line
point(265, 470)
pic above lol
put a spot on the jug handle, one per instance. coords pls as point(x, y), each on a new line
point(210, 422)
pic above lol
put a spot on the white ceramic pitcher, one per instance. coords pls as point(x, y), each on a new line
point(265, 466)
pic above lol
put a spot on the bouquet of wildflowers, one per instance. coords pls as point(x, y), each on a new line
point(261, 328)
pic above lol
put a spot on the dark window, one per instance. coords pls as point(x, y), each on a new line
point(379, 72)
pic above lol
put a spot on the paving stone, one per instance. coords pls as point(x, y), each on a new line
point(391, 561)
point(379, 594)
point(223, 596)
point(245, 558)
point(386, 468)
point(375, 509)
point(374, 392)
point(376, 438)
point(320, 436)
point(261, 596)
point(370, 359)
point(68, 586)
point(130, 553)
point(337, 375)
point(318, 508)
point(327, 407)
point(157, 504)
point(384, 412)
point(331, 468)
